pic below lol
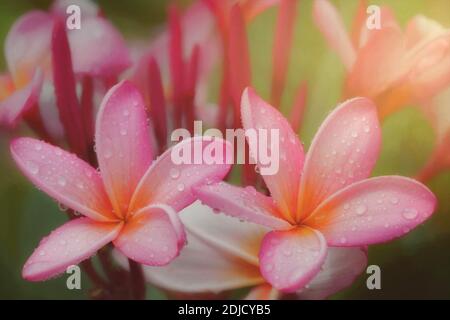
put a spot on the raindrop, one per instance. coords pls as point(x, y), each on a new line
point(126, 113)
point(62, 207)
point(42, 253)
point(361, 209)
point(394, 200)
point(123, 132)
point(34, 169)
point(108, 154)
point(174, 173)
point(180, 187)
point(410, 214)
point(366, 129)
point(355, 134)
point(38, 147)
point(62, 181)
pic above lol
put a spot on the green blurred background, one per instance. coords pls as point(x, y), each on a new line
point(414, 267)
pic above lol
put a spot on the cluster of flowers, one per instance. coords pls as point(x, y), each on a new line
point(302, 232)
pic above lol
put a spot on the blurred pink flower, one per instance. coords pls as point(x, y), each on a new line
point(97, 50)
point(232, 249)
point(394, 68)
point(129, 201)
point(324, 200)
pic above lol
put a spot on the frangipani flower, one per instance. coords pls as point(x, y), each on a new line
point(232, 249)
point(129, 201)
point(392, 67)
point(323, 200)
point(29, 57)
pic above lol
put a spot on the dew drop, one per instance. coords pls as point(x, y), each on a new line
point(126, 113)
point(394, 200)
point(38, 147)
point(62, 181)
point(355, 134)
point(361, 209)
point(366, 129)
point(410, 213)
point(108, 154)
point(174, 173)
point(34, 169)
point(123, 132)
point(180, 187)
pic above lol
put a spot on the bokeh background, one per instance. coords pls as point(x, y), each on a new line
point(414, 267)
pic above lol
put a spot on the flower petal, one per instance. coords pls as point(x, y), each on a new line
point(170, 182)
point(343, 151)
point(154, 236)
point(263, 292)
point(100, 36)
point(373, 211)
point(27, 45)
point(88, 7)
point(232, 251)
point(20, 101)
point(377, 64)
point(330, 23)
point(63, 176)
point(283, 184)
point(340, 269)
point(243, 203)
point(70, 244)
point(290, 259)
point(122, 143)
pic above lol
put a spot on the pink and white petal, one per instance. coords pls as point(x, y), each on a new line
point(243, 203)
point(253, 8)
point(170, 179)
point(420, 29)
point(387, 20)
point(224, 233)
point(330, 23)
point(192, 273)
point(122, 143)
point(263, 292)
point(373, 211)
point(231, 247)
point(70, 244)
point(19, 102)
point(340, 269)
point(282, 180)
point(290, 259)
point(343, 151)
point(153, 236)
point(63, 176)
point(27, 44)
point(100, 36)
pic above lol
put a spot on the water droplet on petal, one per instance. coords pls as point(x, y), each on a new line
point(62, 181)
point(355, 134)
point(174, 173)
point(180, 187)
point(108, 154)
point(394, 200)
point(123, 132)
point(410, 213)
point(361, 209)
point(343, 240)
point(366, 129)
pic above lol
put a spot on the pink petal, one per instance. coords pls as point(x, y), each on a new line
point(122, 143)
point(428, 67)
point(377, 64)
point(253, 8)
point(63, 176)
point(27, 44)
point(290, 259)
point(154, 236)
point(70, 244)
point(100, 36)
point(232, 251)
point(330, 23)
point(171, 183)
point(373, 211)
point(283, 185)
point(343, 151)
point(243, 203)
point(20, 101)
point(340, 269)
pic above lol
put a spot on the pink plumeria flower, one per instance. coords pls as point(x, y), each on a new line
point(29, 58)
point(323, 200)
point(393, 67)
point(232, 249)
point(129, 201)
